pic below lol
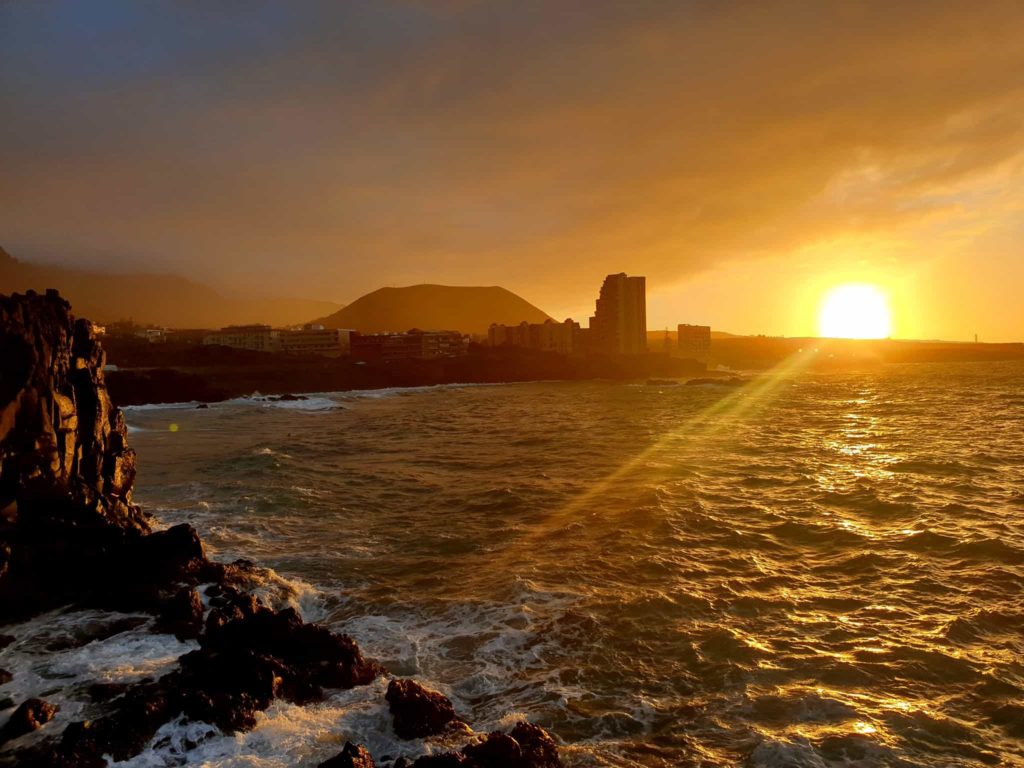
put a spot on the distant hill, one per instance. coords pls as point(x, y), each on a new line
point(166, 300)
point(434, 307)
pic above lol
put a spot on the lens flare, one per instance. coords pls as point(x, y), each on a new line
point(855, 311)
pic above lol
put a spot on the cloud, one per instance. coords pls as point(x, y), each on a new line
point(536, 145)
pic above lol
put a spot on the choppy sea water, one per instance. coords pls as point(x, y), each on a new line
point(811, 570)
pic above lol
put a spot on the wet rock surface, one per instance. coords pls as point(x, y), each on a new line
point(30, 716)
point(352, 756)
point(71, 536)
point(525, 746)
point(418, 712)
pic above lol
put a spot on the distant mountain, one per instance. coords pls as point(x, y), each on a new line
point(434, 307)
point(166, 300)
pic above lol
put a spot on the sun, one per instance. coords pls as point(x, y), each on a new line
point(855, 311)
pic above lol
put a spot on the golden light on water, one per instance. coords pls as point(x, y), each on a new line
point(855, 311)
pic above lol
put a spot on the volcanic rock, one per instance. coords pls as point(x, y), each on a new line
point(182, 615)
point(418, 712)
point(30, 716)
point(352, 756)
point(526, 746)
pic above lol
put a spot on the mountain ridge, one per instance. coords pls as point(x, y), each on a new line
point(159, 299)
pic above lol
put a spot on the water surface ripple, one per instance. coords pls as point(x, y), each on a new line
point(815, 570)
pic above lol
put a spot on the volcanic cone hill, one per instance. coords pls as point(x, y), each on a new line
point(468, 309)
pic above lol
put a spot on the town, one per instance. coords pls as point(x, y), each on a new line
point(618, 327)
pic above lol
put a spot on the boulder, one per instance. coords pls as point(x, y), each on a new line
point(316, 656)
point(352, 756)
point(182, 615)
point(418, 712)
point(526, 746)
point(539, 750)
point(30, 716)
point(140, 711)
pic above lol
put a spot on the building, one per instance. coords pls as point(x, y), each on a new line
point(152, 335)
point(316, 340)
point(413, 345)
point(260, 338)
point(694, 342)
point(548, 336)
point(619, 324)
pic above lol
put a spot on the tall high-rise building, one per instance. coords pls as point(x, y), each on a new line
point(619, 324)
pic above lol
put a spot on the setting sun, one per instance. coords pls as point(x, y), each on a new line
point(855, 311)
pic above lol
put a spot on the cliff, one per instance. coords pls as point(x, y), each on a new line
point(71, 536)
point(468, 309)
point(61, 440)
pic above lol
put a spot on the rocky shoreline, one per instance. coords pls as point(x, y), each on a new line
point(71, 537)
point(175, 372)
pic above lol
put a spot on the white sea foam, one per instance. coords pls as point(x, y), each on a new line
point(53, 658)
point(285, 735)
point(190, 405)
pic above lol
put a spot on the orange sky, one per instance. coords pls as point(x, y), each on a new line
point(745, 157)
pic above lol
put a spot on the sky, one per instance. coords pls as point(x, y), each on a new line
point(745, 157)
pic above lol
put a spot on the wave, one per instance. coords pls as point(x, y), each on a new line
point(190, 405)
point(523, 547)
point(61, 656)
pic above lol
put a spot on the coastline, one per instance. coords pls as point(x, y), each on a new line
point(71, 539)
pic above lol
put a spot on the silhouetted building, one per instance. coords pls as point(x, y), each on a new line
point(694, 342)
point(548, 336)
point(619, 324)
point(315, 339)
point(414, 345)
point(152, 335)
point(260, 338)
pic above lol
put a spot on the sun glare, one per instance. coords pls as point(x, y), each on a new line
point(855, 311)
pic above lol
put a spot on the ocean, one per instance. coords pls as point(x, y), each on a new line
point(809, 570)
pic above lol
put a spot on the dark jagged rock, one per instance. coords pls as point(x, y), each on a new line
point(311, 651)
point(30, 716)
point(6, 640)
point(182, 615)
point(352, 756)
point(59, 432)
point(526, 746)
point(5, 676)
point(539, 749)
point(66, 471)
point(142, 710)
point(418, 712)
point(442, 760)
